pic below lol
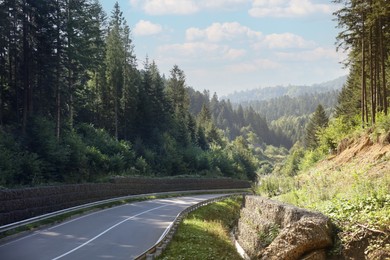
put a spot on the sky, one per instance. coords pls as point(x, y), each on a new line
point(233, 45)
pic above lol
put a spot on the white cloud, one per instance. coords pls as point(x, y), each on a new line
point(200, 51)
point(234, 54)
point(222, 4)
point(161, 7)
point(316, 54)
point(253, 65)
point(189, 50)
point(287, 8)
point(147, 28)
point(184, 7)
point(222, 31)
point(284, 41)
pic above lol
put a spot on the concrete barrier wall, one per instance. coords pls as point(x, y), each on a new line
point(19, 204)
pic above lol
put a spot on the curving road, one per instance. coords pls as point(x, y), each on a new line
point(121, 232)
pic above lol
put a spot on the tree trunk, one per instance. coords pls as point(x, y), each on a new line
point(372, 77)
point(383, 57)
point(116, 111)
point(58, 90)
point(70, 87)
point(25, 71)
point(363, 95)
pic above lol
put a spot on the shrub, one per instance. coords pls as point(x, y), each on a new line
point(274, 185)
point(310, 158)
point(40, 139)
point(17, 166)
point(338, 129)
point(381, 133)
point(142, 166)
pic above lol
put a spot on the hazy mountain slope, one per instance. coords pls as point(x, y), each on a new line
point(278, 91)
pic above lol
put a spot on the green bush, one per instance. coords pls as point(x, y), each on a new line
point(142, 166)
point(310, 158)
point(18, 166)
point(98, 163)
point(290, 166)
point(55, 155)
point(337, 130)
point(220, 161)
point(382, 129)
point(274, 185)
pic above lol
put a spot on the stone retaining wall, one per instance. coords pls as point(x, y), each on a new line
point(269, 229)
point(19, 204)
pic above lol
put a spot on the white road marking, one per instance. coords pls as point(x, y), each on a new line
point(105, 231)
point(38, 232)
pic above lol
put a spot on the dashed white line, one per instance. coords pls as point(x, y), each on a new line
point(105, 231)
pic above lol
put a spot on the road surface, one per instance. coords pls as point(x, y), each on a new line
point(121, 232)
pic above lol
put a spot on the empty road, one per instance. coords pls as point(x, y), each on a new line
point(121, 232)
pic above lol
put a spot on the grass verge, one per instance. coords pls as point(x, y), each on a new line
point(205, 233)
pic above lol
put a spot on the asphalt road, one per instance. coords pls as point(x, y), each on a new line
point(121, 232)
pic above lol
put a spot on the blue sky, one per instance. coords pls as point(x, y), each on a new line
point(232, 45)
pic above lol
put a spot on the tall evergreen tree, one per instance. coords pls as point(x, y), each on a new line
point(318, 120)
point(115, 52)
point(365, 26)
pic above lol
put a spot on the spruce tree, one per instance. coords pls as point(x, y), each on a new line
point(318, 120)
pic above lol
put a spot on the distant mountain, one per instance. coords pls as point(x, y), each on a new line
point(267, 93)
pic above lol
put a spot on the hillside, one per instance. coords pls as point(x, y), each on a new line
point(267, 93)
point(352, 188)
point(287, 109)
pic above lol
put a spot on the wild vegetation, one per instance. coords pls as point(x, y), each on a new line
point(342, 167)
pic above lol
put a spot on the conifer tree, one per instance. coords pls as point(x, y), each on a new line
point(318, 120)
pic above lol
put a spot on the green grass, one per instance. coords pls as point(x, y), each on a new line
point(204, 233)
point(357, 202)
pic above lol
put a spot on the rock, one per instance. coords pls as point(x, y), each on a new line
point(316, 255)
point(270, 229)
point(306, 235)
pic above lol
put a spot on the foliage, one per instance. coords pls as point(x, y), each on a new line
point(204, 233)
point(74, 107)
point(269, 234)
point(355, 198)
point(364, 34)
point(381, 132)
point(293, 161)
point(233, 122)
point(338, 129)
point(318, 121)
point(17, 166)
point(274, 185)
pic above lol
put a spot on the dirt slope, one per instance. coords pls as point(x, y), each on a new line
point(372, 159)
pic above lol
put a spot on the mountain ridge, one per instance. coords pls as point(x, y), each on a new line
point(266, 93)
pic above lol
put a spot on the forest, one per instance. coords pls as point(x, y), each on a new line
point(74, 107)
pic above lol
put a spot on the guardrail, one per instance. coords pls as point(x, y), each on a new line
point(28, 221)
point(167, 236)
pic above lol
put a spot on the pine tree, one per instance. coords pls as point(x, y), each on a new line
point(318, 120)
point(364, 34)
point(115, 65)
point(176, 90)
